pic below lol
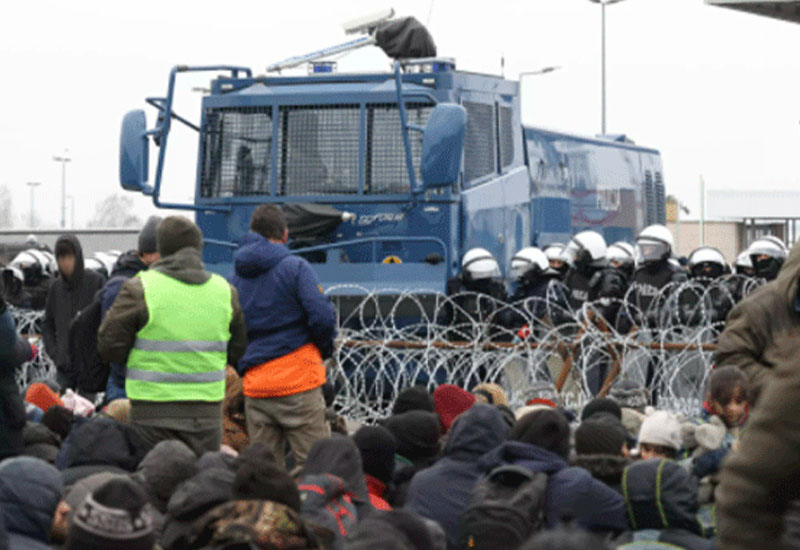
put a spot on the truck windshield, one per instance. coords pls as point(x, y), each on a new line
point(318, 150)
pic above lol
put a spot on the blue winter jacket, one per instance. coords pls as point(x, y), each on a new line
point(442, 492)
point(283, 302)
point(571, 492)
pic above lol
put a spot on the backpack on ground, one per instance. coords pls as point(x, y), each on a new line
point(328, 508)
point(505, 509)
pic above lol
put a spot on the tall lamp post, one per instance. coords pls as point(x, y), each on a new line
point(33, 185)
point(537, 72)
point(64, 159)
point(603, 4)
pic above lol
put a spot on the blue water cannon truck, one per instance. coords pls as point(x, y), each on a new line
point(388, 178)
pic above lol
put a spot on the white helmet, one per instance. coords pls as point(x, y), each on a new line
point(654, 244)
point(554, 251)
point(622, 253)
point(707, 261)
point(587, 247)
point(768, 246)
point(108, 259)
point(743, 261)
point(478, 263)
point(529, 258)
point(776, 240)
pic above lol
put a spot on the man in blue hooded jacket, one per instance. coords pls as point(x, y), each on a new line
point(291, 325)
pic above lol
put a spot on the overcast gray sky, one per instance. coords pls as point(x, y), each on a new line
point(717, 92)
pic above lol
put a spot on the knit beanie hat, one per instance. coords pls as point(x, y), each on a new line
point(661, 428)
point(148, 236)
point(546, 428)
point(176, 233)
point(116, 515)
point(451, 401)
point(600, 437)
point(601, 405)
point(77, 493)
point(492, 394)
point(59, 420)
point(378, 447)
point(417, 434)
point(415, 398)
point(166, 466)
point(266, 482)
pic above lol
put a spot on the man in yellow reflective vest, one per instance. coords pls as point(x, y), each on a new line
point(176, 326)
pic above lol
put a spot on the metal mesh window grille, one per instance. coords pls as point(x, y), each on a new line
point(479, 146)
point(650, 197)
point(236, 148)
point(506, 130)
point(661, 206)
point(318, 149)
point(385, 170)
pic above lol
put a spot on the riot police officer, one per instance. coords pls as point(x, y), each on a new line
point(478, 294)
point(767, 255)
point(707, 266)
point(654, 272)
point(534, 279)
point(622, 257)
point(590, 278)
point(555, 256)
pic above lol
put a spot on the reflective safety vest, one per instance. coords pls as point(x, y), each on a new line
point(181, 353)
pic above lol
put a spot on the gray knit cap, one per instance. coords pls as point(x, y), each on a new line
point(148, 236)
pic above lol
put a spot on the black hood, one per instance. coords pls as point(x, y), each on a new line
point(72, 242)
point(103, 442)
point(30, 490)
point(339, 455)
point(660, 494)
point(128, 265)
point(476, 432)
point(193, 498)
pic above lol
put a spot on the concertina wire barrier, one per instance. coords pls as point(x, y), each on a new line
point(390, 341)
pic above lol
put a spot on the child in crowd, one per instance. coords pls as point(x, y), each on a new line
point(708, 440)
point(660, 435)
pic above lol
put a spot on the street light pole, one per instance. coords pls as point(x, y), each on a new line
point(603, 4)
point(63, 160)
point(33, 185)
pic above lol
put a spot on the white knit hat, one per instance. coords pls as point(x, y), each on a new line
point(661, 428)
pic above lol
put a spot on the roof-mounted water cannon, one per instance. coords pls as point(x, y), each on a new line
point(403, 39)
point(366, 25)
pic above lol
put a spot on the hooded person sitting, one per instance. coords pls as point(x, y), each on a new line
point(30, 491)
point(442, 492)
point(378, 448)
point(661, 499)
point(540, 442)
point(417, 434)
point(601, 447)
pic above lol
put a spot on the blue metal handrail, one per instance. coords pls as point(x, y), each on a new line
point(374, 241)
point(161, 131)
point(340, 244)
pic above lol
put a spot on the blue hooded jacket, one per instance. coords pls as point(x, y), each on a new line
point(571, 492)
point(442, 492)
point(283, 302)
point(30, 490)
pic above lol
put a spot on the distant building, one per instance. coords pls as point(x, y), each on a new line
point(734, 219)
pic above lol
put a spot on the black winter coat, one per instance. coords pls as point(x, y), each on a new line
point(14, 351)
point(67, 296)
